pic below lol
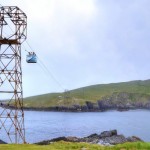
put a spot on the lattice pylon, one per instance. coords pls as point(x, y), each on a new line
point(11, 92)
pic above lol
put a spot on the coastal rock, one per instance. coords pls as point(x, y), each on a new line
point(67, 139)
point(89, 105)
point(47, 142)
point(108, 133)
point(124, 101)
point(104, 138)
point(113, 140)
point(93, 138)
point(134, 139)
point(72, 139)
point(92, 106)
point(2, 142)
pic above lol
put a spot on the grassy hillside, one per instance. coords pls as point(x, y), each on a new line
point(76, 146)
point(90, 93)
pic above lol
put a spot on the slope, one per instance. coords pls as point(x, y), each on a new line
point(91, 93)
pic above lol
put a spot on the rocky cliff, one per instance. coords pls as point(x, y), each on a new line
point(117, 101)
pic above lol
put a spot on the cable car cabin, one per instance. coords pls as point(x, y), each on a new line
point(31, 58)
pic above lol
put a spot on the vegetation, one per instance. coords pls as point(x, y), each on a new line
point(137, 89)
point(76, 146)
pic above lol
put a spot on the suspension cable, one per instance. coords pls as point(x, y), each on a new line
point(44, 67)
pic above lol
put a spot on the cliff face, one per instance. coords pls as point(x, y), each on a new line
point(125, 101)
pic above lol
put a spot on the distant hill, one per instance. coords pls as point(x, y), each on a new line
point(136, 91)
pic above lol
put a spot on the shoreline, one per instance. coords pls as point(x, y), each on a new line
point(68, 109)
point(49, 109)
point(105, 138)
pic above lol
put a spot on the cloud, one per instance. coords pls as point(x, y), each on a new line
point(86, 42)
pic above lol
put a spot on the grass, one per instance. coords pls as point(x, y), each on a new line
point(76, 146)
point(139, 90)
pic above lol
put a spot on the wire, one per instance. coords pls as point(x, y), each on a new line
point(43, 66)
point(29, 45)
point(25, 48)
point(50, 73)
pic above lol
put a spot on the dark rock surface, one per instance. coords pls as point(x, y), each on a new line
point(113, 140)
point(2, 142)
point(104, 138)
point(124, 101)
point(108, 133)
point(133, 139)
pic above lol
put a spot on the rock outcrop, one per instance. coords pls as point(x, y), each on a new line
point(124, 101)
point(2, 142)
point(104, 138)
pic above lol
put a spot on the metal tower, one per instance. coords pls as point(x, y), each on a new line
point(13, 26)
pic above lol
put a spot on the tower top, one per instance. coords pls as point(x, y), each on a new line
point(14, 22)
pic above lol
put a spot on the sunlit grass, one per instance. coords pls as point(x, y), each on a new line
point(76, 146)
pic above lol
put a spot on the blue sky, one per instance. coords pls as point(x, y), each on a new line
point(85, 42)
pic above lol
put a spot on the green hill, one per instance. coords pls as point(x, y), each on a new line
point(91, 93)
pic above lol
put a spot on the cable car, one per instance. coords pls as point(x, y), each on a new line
point(31, 58)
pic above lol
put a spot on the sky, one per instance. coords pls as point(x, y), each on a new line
point(84, 42)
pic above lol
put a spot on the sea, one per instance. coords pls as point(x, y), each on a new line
point(48, 125)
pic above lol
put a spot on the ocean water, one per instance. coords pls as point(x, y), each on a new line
point(47, 125)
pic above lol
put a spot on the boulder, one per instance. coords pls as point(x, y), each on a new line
point(93, 140)
point(113, 140)
point(108, 133)
point(72, 139)
point(50, 141)
point(93, 136)
point(134, 139)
